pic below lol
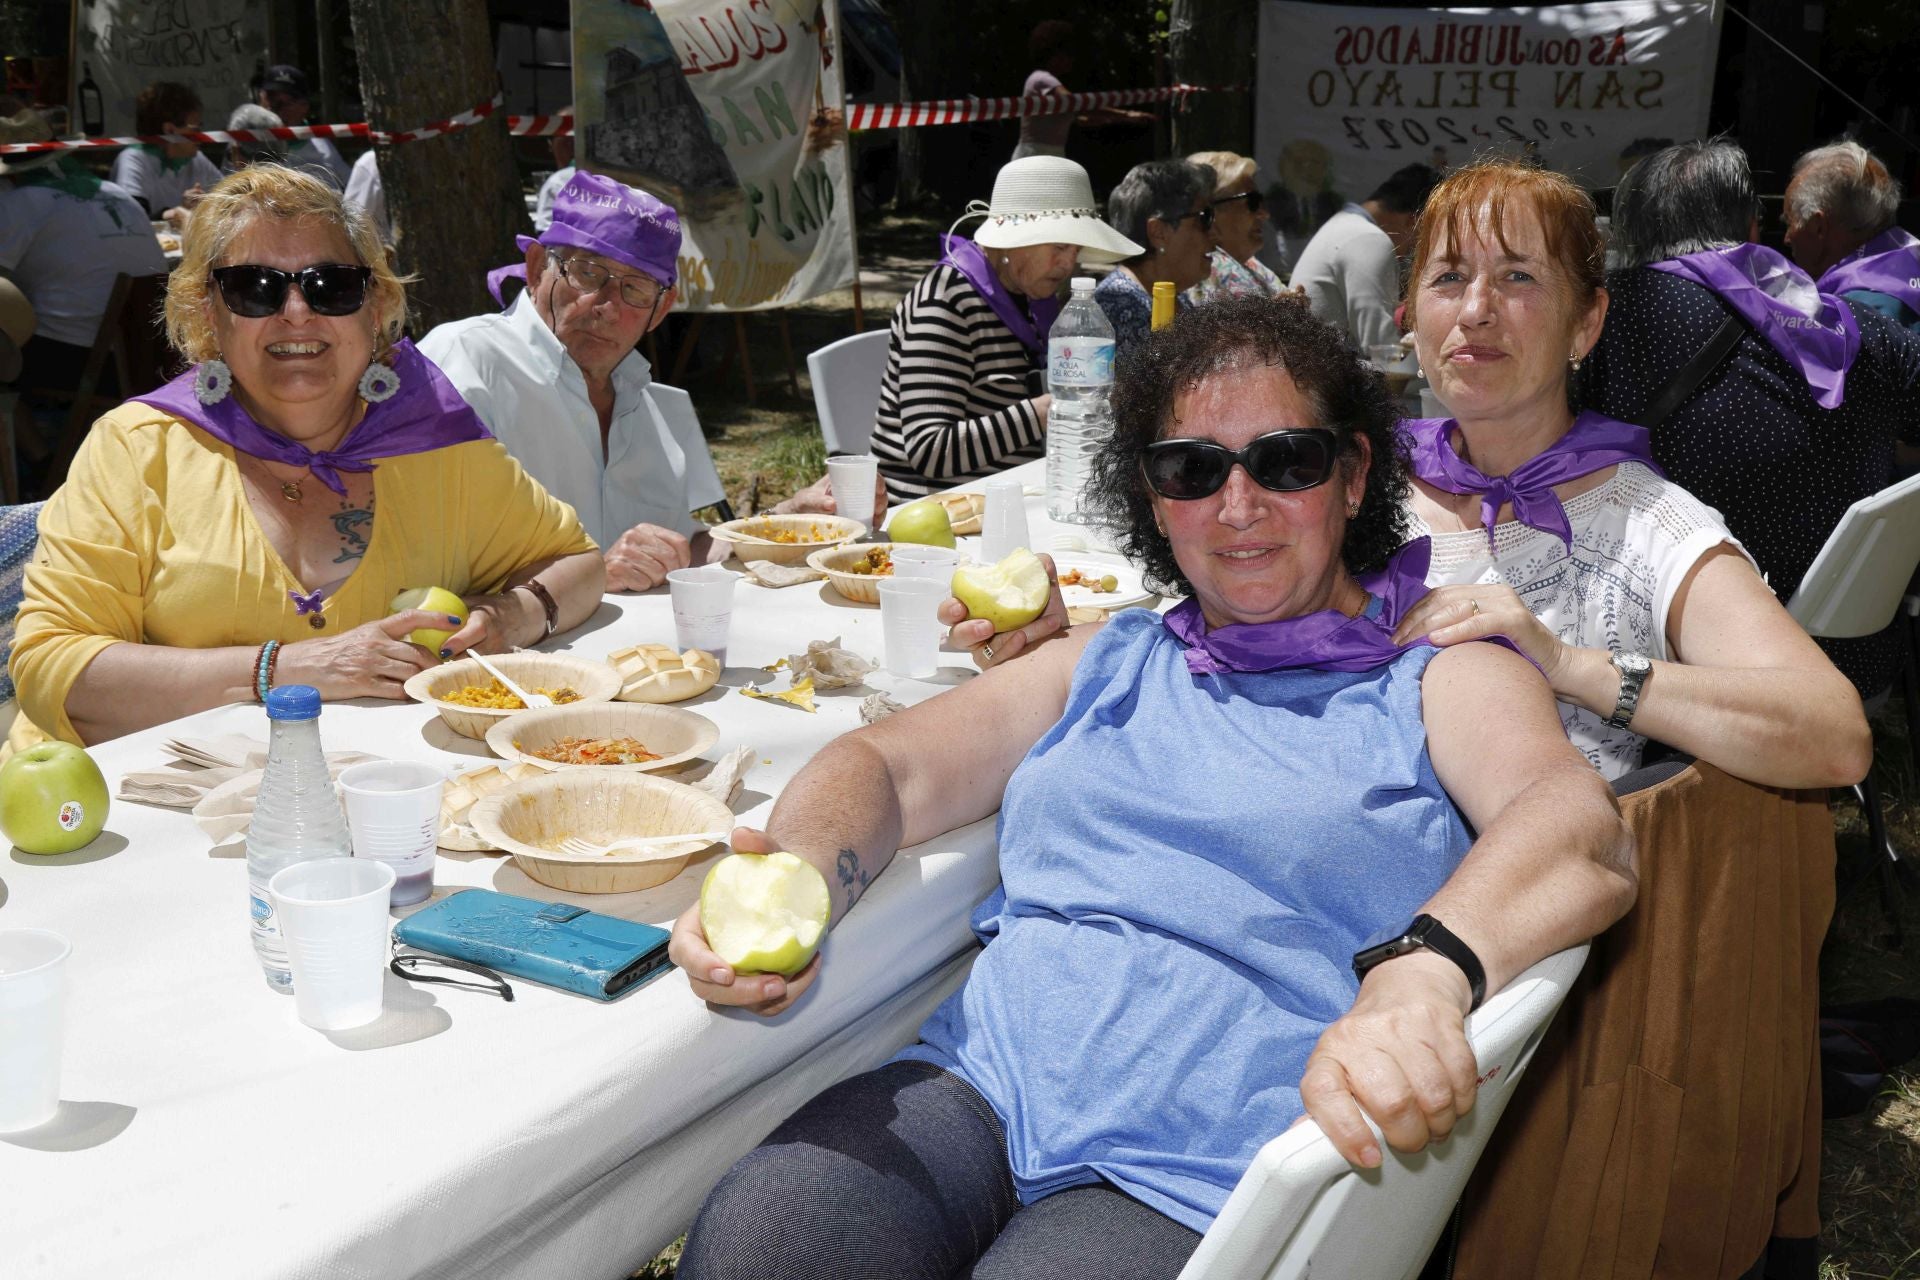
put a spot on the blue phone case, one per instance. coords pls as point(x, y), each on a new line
point(548, 942)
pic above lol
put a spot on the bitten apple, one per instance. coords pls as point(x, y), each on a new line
point(433, 600)
point(1009, 594)
point(764, 913)
point(52, 799)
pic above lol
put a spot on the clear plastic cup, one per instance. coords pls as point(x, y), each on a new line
point(703, 608)
point(333, 915)
point(851, 479)
point(33, 1006)
point(915, 561)
point(1003, 525)
point(393, 813)
point(910, 621)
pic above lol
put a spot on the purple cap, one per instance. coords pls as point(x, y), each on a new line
point(595, 213)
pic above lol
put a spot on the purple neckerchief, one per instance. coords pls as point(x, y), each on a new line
point(1592, 442)
point(1325, 641)
point(425, 413)
point(1889, 263)
point(498, 277)
point(964, 256)
point(1813, 331)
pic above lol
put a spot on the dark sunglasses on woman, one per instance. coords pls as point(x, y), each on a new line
point(1255, 201)
point(331, 289)
point(1205, 215)
point(1284, 461)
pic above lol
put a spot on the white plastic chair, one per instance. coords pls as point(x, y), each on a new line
point(675, 408)
point(1301, 1210)
point(846, 389)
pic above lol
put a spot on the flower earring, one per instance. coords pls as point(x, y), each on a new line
point(378, 383)
point(212, 381)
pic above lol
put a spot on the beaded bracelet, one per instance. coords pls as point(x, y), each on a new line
point(263, 665)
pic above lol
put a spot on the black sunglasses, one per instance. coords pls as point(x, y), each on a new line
point(1255, 201)
point(1205, 215)
point(331, 289)
point(1285, 461)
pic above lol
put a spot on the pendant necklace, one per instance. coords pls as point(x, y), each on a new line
point(290, 490)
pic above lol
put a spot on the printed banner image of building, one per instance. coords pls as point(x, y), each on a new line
point(655, 135)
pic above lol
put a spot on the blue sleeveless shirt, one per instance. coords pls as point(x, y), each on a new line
point(1187, 866)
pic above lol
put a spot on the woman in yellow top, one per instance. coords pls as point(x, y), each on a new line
point(249, 523)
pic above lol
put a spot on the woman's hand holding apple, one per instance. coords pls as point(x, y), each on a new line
point(712, 979)
point(371, 661)
point(990, 646)
point(495, 624)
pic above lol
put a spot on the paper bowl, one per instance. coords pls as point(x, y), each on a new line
point(816, 532)
point(593, 681)
point(677, 735)
point(529, 819)
point(862, 588)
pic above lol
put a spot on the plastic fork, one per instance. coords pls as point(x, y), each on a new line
point(584, 849)
point(532, 701)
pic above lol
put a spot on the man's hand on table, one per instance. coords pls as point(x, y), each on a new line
point(712, 979)
point(991, 648)
point(644, 555)
point(1400, 1055)
point(818, 498)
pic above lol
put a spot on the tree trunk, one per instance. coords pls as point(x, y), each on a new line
point(1213, 43)
point(455, 199)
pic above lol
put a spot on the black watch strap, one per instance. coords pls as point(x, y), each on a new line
point(1427, 933)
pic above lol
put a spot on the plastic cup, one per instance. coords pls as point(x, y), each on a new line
point(910, 621)
point(33, 1006)
point(851, 479)
point(703, 608)
point(393, 813)
point(333, 915)
point(914, 561)
point(1003, 525)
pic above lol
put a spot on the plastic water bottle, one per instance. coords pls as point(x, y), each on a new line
point(1079, 377)
point(296, 817)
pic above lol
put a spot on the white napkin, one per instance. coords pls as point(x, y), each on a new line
point(830, 666)
point(878, 706)
point(722, 782)
point(225, 811)
point(769, 574)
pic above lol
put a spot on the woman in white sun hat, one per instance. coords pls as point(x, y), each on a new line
point(963, 396)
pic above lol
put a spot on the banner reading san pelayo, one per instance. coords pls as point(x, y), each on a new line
point(732, 112)
point(1348, 95)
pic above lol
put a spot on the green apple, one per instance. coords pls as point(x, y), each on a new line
point(1009, 594)
point(764, 913)
point(925, 522)
point(433, 600)
point(52, 799)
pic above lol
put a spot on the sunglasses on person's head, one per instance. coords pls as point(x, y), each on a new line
point(1285, 461)
point(331, 289)
point(1255, 201)
point(1205, 215)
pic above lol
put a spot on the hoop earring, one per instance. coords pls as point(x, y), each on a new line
point(378, 383)
point(212, 381)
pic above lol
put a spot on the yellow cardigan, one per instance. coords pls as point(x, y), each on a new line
point(152, 541)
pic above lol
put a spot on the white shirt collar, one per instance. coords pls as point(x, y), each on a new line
point(550, 357)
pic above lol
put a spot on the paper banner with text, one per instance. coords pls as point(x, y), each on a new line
point(121, 46)
point(1348, 95)
point(732, 112)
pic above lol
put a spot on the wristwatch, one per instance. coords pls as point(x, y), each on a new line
point(1633, 669)
point(1428, 934)
point(548, 604)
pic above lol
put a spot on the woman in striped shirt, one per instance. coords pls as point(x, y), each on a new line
point(964, 394)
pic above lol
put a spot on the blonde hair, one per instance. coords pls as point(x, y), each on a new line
point(1228, 167)
point(272, 191)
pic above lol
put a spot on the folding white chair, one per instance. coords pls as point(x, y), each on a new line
point(1301, 1210)
point(846, 389)
point(704, 489)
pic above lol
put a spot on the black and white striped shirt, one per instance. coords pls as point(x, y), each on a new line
point(954, 401)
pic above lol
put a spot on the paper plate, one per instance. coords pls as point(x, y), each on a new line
point(1132, 590)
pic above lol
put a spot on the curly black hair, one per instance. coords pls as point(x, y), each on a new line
point(1346, 394)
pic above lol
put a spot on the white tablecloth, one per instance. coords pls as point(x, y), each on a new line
point(204, 1132)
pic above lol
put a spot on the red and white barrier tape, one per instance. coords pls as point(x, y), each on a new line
point(860, 115)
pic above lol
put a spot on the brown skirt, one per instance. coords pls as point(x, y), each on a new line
point(1670, 1122)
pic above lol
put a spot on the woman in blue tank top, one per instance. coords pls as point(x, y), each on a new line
point(1203, 818)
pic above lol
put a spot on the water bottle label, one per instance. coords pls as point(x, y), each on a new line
point(1079, 362)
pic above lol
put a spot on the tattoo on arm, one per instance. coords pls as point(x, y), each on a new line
point(853, 877)
point(352, 524)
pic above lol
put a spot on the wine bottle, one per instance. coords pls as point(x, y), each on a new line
point(93, 120)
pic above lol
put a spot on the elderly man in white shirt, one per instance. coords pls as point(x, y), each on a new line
point(558, 379)
point(1351, 270)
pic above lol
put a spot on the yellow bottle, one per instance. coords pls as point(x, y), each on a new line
point(1162, 304)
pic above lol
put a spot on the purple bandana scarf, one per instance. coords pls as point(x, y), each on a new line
point(1592, 442)
point(1325, 641)
point(1812, 331)
point(1889, 263)
point(425, 413)
point(964, 256)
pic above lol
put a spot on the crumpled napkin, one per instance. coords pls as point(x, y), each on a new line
point(723, 781)
point(217, 778)
point(830, 666)
point(878, 706)
point(769, 574)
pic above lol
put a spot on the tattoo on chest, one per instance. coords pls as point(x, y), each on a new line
point(353, 525)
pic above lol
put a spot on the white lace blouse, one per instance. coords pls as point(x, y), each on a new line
point(1635, 539)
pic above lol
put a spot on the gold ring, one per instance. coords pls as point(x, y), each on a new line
point(1476, 607)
